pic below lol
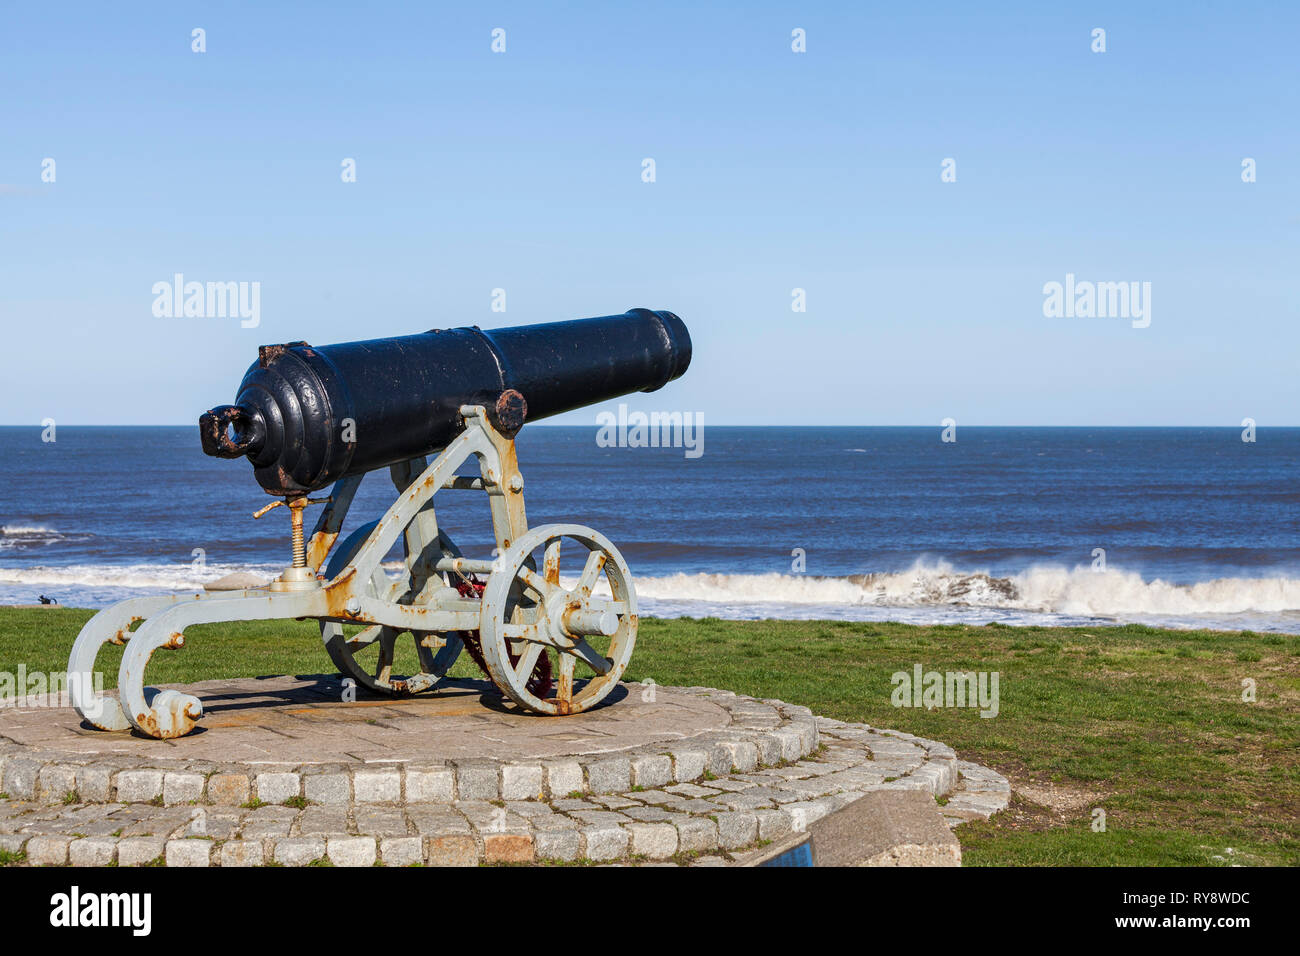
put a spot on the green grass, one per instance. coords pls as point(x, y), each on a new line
point(1148, 725)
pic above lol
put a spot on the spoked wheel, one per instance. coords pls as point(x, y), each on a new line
point(526, 613)
point(367, 656)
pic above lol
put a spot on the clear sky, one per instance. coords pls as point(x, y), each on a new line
point(774, 170)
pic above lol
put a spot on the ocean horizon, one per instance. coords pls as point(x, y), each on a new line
point(1060, 526)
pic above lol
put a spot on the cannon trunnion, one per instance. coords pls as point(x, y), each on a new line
point(551, 617)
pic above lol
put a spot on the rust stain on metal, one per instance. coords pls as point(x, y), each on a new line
point(266, 354)
point(122, 635)
point(509, 413)
point(339, 594)
point(321, 543)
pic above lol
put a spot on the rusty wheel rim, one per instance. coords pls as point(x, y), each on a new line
point(582, 579)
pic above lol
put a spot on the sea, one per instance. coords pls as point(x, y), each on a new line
point(1170, 527)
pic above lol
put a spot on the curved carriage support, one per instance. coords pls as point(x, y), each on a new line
point(113, 626)
point(168, 713)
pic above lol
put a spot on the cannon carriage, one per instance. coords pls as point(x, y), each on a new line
point(551, 616)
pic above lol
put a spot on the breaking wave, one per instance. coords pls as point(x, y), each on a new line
point(1043, 589)
point(29, 536)
point(925, 593)
point(141, 577)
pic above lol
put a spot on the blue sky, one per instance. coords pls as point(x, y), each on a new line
point(774, 170)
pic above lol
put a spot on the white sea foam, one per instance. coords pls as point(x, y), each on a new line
point(1117, 592)
point(1044, 589)
point(155, 577)
point(926, 593)
point(15, 536)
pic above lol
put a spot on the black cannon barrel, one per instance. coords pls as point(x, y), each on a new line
point(308, 416)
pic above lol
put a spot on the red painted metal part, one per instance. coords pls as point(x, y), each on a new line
point(541, 683)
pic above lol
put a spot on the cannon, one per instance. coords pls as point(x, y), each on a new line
point(308, 418)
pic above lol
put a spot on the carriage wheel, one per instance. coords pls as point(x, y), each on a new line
point(527, 613)
point(351, 655)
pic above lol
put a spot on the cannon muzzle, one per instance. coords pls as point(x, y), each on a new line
point(307, 416)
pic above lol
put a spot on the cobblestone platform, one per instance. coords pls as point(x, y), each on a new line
point(673, 775)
